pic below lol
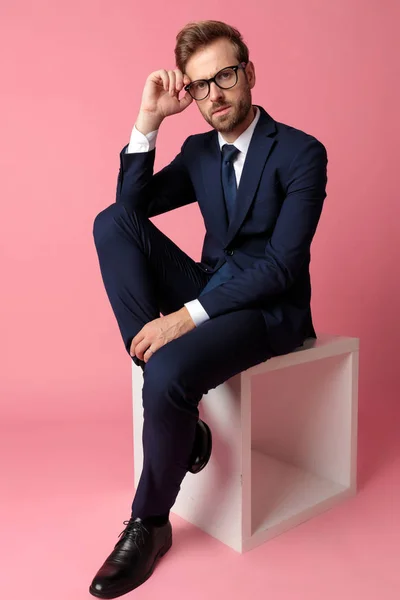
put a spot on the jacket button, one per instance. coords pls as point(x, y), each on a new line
point(229, 252)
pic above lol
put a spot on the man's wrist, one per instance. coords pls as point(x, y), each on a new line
point(146, 122)
point(186, 315)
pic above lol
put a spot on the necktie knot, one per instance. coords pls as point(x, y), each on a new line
point(229, 151)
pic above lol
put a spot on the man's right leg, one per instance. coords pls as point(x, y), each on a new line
point(143, 271)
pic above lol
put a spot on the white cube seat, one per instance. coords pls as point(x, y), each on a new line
point(284, 443)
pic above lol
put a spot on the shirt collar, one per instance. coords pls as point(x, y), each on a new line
point(242, 143)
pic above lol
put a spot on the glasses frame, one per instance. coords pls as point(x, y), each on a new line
point(241, 65)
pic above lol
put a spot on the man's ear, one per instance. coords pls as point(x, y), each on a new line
point(251, 74)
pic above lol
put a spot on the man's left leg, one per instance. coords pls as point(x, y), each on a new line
point(175, 379)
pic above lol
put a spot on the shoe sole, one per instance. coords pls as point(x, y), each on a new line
point(159, 555)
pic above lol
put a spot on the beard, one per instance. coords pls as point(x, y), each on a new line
point(236, 116)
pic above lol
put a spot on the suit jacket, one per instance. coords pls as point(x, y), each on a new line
point(267, 243)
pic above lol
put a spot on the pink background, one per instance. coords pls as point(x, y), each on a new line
point(72, 76)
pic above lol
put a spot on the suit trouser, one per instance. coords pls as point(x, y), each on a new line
point(145, 273)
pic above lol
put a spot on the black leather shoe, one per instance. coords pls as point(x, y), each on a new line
point(133, 559)
point(201, 448)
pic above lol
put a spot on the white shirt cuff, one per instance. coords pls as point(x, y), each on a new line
point(140, 142)
point(197, 312)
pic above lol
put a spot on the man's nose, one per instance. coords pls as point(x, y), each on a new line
point(216, 94)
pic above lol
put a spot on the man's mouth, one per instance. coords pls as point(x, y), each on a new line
point(221, 110)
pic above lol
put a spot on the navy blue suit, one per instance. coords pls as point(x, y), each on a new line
point(261, 311)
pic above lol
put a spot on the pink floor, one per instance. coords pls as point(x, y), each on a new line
point(66, 488)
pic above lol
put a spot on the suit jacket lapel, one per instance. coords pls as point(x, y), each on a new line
point(260, 147)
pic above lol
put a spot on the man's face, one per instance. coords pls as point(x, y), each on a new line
point(205, 63)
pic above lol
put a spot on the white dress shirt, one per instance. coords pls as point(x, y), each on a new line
point(145, 143)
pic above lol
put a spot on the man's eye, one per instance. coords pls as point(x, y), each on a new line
point(201, 85)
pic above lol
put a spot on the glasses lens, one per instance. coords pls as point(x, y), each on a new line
point(199, 89)
point(226, 78)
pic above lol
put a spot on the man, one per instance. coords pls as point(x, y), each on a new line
point(260, 186)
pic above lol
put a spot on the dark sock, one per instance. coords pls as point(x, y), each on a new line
point(157, 520)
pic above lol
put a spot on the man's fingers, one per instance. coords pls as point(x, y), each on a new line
point(172, 81)
point(163, 75)
point(138, 338)
point(178, 80)
point(149, 353)
point(141, 348)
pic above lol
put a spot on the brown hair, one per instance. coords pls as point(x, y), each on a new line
point(199, 34)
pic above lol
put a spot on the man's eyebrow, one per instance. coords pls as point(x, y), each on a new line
point(210, 76)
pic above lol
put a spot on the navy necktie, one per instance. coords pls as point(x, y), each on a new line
point(228, 177)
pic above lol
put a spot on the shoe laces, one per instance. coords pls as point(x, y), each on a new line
point(134, 530)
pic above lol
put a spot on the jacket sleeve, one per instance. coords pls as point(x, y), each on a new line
point(288, 247)
point(139, 188)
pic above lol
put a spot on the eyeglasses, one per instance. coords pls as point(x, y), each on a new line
point(225, 79)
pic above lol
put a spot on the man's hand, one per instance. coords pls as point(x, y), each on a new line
point(159, 332)
point(160, 98)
